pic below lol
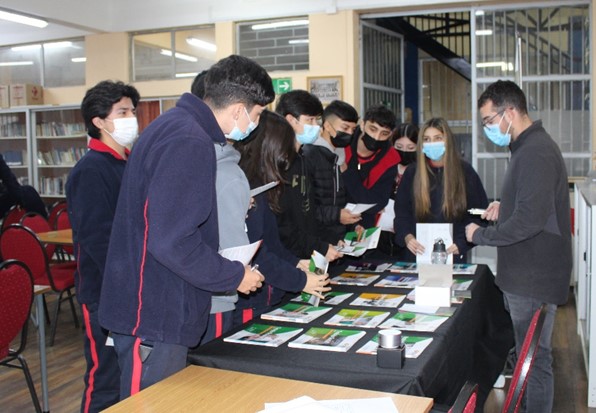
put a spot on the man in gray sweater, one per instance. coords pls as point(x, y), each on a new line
point(532, 233)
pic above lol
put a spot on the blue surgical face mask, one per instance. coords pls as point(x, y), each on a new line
point(494, 134)
point(433, 150)
point(236, 134)
point(309, 134)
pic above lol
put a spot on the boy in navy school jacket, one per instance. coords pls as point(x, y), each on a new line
point(163, 265)
point(92, 190)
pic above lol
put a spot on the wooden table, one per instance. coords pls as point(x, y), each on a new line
point(203, 389)
point(60, 237)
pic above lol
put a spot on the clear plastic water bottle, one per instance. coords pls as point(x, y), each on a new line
point(439, 254)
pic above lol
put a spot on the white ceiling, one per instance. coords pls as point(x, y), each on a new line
point(73, 18)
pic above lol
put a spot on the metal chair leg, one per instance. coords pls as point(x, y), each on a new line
point(30, 384)
point(72, 308)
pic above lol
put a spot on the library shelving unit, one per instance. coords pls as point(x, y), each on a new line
point(14, 144)
point(150, 108)
point(59, 140)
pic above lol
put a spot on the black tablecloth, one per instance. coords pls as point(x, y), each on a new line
point(471, 345)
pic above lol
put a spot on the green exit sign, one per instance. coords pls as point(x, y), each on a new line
point(282, 85)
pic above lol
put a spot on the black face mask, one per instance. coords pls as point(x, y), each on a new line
point(371, 143)
point(341, 139)
point(407, 157)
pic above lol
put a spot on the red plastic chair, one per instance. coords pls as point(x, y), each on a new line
point(54, 210)
point(524, 362)
point(16, 296)
point(37, 223)
point(13, 216)
point(20, 243)
point(466, 399)
point(63, 222)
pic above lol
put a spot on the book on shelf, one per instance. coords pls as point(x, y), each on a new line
point(12, 127)
point(415, 345)
point(61, 157)
point(56, 129)
point(354, 279)
point(357, 318)
point(356, 244)
point(368, 267)
point(398, 281)
point(295, 313)
point(379, 300)
point(327, 339)
point(263, 335)
point(414, 322)
point(331, 297)
point(411, 268)
point(15, 158)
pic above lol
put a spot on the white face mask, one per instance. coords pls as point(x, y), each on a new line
point(125, 131)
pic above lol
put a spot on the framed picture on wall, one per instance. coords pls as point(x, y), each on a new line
point(326, 88)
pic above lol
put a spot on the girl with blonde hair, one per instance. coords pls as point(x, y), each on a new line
point(439, 188)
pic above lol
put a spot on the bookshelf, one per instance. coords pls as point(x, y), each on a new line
point(41, 144)
point(14, 145)
point(150, 108)
point(59, 140)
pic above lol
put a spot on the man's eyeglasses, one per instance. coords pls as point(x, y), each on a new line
point(490, 120)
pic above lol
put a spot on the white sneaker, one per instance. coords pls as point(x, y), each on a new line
point(500, 383)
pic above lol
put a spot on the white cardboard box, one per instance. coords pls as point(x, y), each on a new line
point(23, 94)
point(4, 96)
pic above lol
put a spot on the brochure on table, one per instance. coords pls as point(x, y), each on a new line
point(295, 313)
point(415, 345)
point(379, 300)
point(357, 318)
point(414, 322)
point(327, 339)
point(264, 335)
point(331, 297)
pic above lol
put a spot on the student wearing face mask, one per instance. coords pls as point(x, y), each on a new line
point(163, 264)
point(370, 168)
point(405, 138)
point(324, 159)
point(233, 200)
point(296, 219)
point(92, 190)
point(439, 188)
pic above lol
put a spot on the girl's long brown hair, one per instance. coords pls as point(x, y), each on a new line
point(267, 153)
point(454, 181)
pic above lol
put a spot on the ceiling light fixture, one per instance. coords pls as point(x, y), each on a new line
point(187, 74)
point(24, 63)
point(277, 25)
point(180, 56)
point(503, 65)
point(26, 47)
point(484, 32)
point(19, 18)
point(78, 59)
point(193, 41)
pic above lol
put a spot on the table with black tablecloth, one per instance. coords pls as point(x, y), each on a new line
point(471, 345)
